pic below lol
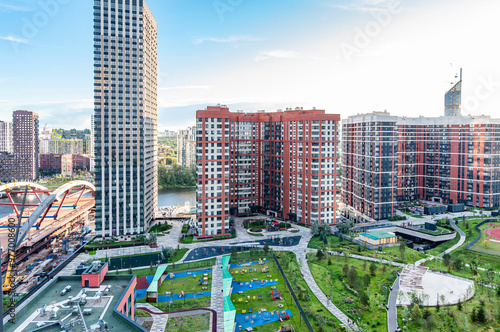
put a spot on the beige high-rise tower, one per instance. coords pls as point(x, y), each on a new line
point(125, 117)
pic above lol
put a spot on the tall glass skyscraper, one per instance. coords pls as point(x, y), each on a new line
point(125, 115)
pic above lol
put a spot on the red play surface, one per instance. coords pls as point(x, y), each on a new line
point(493, 232)
point(142, 283)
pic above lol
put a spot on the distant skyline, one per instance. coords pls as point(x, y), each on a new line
point(348, 57)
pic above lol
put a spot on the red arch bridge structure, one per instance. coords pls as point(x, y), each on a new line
point(47, 214)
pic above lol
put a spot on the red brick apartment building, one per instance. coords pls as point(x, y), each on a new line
point(280, 163)
point(387, 160)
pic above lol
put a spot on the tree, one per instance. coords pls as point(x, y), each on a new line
point(234, 254)
point(458, 264)
point(364, 265)
point(320, 255)
point(416, 313)
point(367, 280)
point(266, 249)
point(364, 299)
point(130, 269)
point(323, 230)
point(459, 305)
point(345, 269)
point(481, 314)
point(402, 249)
point(473, 267)
point(473, 315)
point(373, 269)
point(345, 227)
point(168, 253)
point(151, 267)
point(446, 259)
point(352, 275)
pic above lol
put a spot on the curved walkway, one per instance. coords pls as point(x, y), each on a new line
point(456, 246)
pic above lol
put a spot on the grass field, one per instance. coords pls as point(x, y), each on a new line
point(391, 253)
point(444, 246)
point(491, 247)
point(189, 284)
point(206, 263)
point(191, 323)
point(332, 280)
point(318, 315)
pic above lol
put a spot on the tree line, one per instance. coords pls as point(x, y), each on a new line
point(176, 176)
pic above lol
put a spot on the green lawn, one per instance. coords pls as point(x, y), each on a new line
point(160, 228)
point(391, 253)
point(187, 284)
point(318, 315)
point(444, 246)
point(191, 323)
point(438, 231)
point(186, 239)
point(490, 247)
point(206, 263)
point(332, 281)
point(199, 302)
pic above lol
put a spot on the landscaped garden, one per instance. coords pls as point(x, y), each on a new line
point(320, 318)
point(358, 288)
point(335, 243)
point(481, 313)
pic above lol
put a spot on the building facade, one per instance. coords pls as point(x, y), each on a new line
point(66, 164)
point(23, 163)
point(280, 163)
point(6, 138)
point(125, 117)
point(388, 160)
point(186, 147)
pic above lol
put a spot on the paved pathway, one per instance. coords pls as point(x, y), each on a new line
point(392, 313)
point(217, 302)
point(456, 246)
point(159, 321)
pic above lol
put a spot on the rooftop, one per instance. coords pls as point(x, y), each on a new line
point(378, 235)
point(29, 316)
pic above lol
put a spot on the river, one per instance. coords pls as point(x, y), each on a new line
point(166, 197)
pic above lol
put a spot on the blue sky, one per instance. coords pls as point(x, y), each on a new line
point(347, 57)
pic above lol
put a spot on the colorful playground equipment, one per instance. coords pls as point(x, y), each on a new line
point(283, 316)
point(286, 329)
point(182, 294)
point(265, 269)
point(204, 281)
point(276, 295)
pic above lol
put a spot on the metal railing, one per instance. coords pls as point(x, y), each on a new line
point(297, 303)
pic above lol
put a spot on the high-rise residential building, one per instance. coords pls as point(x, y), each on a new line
point(280, 163)
point(58, 144)
point(23, 163)
point(186, 143)
point(92, 150)
point(6, 137)
point(125, 118)
point(45, 134)
point(453, 99)
point(388, 160)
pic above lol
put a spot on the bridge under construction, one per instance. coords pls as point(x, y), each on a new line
point(54, 214)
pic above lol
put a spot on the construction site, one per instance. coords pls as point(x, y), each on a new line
point(53, 223)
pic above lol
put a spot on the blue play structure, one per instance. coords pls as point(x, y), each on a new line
point(244, 286)
point(244, 321)
point(232, 266)
point(186, 274)
point(176, 297)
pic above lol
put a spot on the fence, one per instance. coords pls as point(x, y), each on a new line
point(297, 303)
point(479, 236)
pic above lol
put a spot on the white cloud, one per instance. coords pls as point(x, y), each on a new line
point(14, 39)
point(226, 40)
point(363, 5)
point(185, 87)
point(6, 7)
point(278, 54)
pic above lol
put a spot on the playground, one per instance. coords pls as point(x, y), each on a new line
point(178, 286)
point(261, 298)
